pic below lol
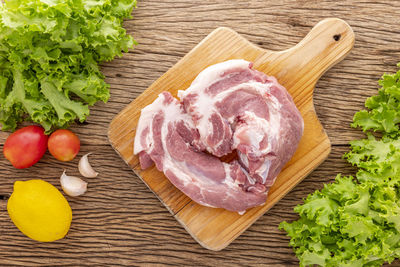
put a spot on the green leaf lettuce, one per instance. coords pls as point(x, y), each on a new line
point(356, 221)
point(49, 56)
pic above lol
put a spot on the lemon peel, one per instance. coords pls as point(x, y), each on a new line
point(39, 210)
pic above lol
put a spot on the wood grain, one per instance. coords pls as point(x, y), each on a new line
point(120, 222)
point(297, 68)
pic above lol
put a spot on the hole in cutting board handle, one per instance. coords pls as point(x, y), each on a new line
point(336, 37)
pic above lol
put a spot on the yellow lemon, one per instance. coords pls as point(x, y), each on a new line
point(39, 210)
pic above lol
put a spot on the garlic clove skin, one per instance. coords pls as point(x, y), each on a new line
point(85, 168)
point(72, 186)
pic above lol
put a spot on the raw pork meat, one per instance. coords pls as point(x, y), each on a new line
point(228, 107)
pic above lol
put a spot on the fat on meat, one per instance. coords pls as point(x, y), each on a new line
point(228, 107)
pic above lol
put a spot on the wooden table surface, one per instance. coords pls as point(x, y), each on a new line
point(119, 221)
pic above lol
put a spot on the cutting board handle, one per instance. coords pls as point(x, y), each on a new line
point(302, 65)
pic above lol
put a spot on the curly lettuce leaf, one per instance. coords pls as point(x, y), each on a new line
point(384, 109)
point(49, 56)
point(359, 232)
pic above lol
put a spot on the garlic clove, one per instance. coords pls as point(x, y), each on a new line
point(72, 186)
point(85, 168)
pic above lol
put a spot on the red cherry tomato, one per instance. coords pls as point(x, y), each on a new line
point(26, 146)
point(64, 145)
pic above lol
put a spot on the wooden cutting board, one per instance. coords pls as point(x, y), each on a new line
point(298, 69)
